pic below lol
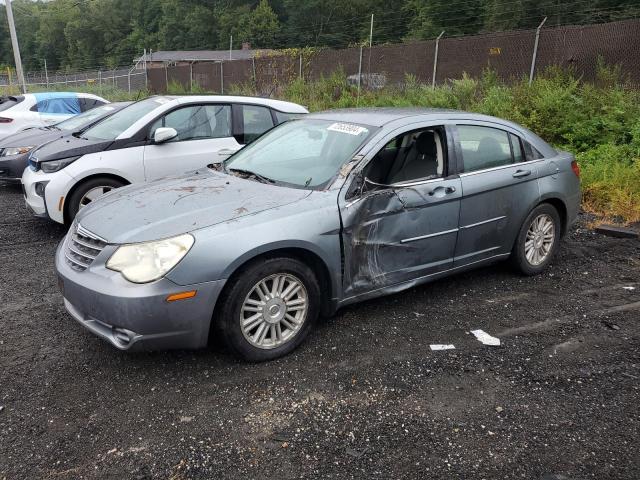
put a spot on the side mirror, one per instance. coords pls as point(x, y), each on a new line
point(164, 134)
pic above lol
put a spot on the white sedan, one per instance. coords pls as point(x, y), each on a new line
point(150, 139)
point(34, 110)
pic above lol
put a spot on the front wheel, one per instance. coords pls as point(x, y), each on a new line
point(89, 191)
point(538, 240)
point(269, 308)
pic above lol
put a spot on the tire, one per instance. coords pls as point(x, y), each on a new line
point(241, 302)
point(77, 199)
point(533, 258)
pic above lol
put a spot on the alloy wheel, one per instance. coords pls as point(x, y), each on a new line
point(274, 311)
point(540, 239)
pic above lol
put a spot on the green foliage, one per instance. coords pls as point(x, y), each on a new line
point(92, 33)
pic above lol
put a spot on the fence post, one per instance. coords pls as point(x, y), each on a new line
point(166, 78)
point(435, 61)
point(359, 76)
point(255, 80)
point(129, 81)
point(300, 67)
point(146, 81)
point(191, 77)
point(46, 72)
point(535, 51)
point(221, 78)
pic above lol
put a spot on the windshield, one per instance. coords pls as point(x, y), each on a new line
point(79, 121)
point(111, 127)
point(305, 153)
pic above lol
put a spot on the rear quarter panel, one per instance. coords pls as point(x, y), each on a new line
point(558, 181)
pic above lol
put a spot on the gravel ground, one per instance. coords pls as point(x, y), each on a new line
point(364, 397)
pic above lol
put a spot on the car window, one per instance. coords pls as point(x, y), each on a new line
point(74, 123)
point(195, 122)
point(282, 117)
point(483, 147)
point(58, 105)
point(256, 120)
point(531, 153)
point(111, 127)
point(89, 103)
point(7, 102)
point(415, 155)
point(307, 153)
point(516, 145)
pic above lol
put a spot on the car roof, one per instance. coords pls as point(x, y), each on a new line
point(397, 117)
point(381, 116)
point(280, 105)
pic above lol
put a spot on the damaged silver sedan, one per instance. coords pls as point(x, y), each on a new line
point(318, 213)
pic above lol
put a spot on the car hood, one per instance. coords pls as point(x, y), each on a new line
point(33, 137)
point(68, 146)
point(173, 206)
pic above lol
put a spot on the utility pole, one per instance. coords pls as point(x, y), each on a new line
point(14, 44)
point(370, 44)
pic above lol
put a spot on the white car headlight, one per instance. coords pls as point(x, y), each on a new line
point(10, 151)
point(146, 262)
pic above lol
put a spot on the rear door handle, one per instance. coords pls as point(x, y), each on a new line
point(521, 173)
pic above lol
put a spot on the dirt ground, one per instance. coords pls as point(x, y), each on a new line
point(364, 397)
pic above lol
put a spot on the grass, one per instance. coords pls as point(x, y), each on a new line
point(599, 122)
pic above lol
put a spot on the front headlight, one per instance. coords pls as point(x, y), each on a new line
point(10, 151)
point(146, 262)
point(55, 165)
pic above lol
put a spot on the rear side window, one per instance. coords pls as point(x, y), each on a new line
point(7, 102)
point(483, 147)
point(282, 117)
point(531, 153)
point(516, 146)
point(256, 120)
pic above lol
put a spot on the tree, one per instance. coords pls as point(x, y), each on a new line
point(264, 25)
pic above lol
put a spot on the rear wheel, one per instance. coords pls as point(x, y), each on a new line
point(89, 191)
point(538, 240)
point(269, 308)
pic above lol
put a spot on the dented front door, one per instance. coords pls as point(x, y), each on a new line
point(393, 236)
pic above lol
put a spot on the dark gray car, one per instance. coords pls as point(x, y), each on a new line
point(318, 213)
point(15, 149)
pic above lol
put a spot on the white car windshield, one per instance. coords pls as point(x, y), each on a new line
point(304, 153)
point(77, 122)
point(111, 127)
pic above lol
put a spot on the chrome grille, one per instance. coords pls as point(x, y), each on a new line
point(82, 247)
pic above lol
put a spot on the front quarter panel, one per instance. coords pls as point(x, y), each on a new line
point(312, 224)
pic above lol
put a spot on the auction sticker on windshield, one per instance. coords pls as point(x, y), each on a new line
point(347, 128)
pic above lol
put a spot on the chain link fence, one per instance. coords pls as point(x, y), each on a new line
point(511, 55)
point(123, 78)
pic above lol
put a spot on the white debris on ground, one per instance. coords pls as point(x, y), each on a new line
point(629, 288)
point(442, 347)
point(485, 338)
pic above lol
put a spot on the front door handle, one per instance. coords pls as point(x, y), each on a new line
point(446, 190)
point(521, 173)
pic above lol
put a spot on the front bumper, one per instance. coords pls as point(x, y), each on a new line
point(136, 316)
point(12, 168)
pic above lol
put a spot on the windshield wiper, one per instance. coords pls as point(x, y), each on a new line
point(249, 173)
